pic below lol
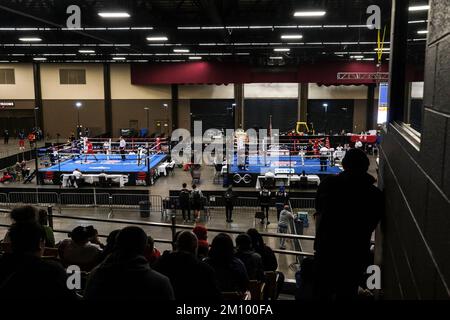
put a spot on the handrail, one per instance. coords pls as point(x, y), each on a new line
point(178, 226)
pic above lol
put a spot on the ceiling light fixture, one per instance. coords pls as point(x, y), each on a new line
point(419, 8)
point(195, 58)
point(281, 49)
point(276, 58)
point(422, 31)
point(86, 51)
point(309, 13)
point(162, 38)
point(291, 36)
point(114, 14)
point(118, 58)
point(30, 39)
point(181, 50)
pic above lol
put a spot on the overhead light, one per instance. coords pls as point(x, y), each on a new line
point(78, 104)
point(181, 50)
point(309, 14)
point(39, 59)
point(325, 105)
point(419, 8)
point(30, 39)
point(114, 14)
point(157, 39)
point(368, 59)
point(86, 51)
point(276, 58)
point(118, 58)
point(382, 49)
point(417, 21)
point(422, 31)
point(291, 36)
point(356, 57)
point(281, 49)
point(195, 58)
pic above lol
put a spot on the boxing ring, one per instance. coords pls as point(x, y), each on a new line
point(137, 162)
point(286, 161)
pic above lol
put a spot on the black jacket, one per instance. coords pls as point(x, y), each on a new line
point(30, 277)
point(231, 276)
point(349, 208)
point(253, 263)
point(192, 280)
point(127, 279)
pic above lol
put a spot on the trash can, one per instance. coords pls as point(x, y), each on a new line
point(144, 208)
point(298, 226)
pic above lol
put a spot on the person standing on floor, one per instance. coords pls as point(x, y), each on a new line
point(122, 146)
point(196, 196)
point(6, 136)
point(264, 200)
point(353, 195)
point(285, 220)
point(184, 199)
point(281, 199)
point(229, 203)
point(21, 140)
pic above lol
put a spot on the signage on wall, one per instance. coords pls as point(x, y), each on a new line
point(6, 104)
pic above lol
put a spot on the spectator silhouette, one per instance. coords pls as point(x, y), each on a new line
point(43, 221)
point(21, 215)
point(110, 244)
point(126, 274)
point(348, 209)
point(192, 280)
point(23, 273)
point(251, 259)
point(230, 271)
point(269, 259)
point(203, 246)
point(78, 250)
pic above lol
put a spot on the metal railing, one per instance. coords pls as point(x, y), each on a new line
point(83, 200)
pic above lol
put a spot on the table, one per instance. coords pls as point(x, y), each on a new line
point(92, 178)
point(162, 168)
point(284, 179)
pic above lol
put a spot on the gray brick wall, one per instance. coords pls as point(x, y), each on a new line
point(416, 227)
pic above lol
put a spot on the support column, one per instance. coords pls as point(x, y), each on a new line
point(39, 118)
point(302, 110)
point(239, 108)
point(397, 66)
point(108, 100)
point(371, 117)
point(175, 104)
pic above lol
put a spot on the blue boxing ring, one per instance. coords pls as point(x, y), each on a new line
point(258, 165)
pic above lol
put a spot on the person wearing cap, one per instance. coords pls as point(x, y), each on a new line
point(348, 208)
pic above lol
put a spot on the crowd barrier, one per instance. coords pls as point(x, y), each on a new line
point(81, 200)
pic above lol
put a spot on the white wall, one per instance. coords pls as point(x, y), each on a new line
point(206, 91)
point(271, 90)
point(24, 87)
point(121, 87)
point(53, 90)
point(337, 92)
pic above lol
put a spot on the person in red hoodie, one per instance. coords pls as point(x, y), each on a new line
point(203, 246)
